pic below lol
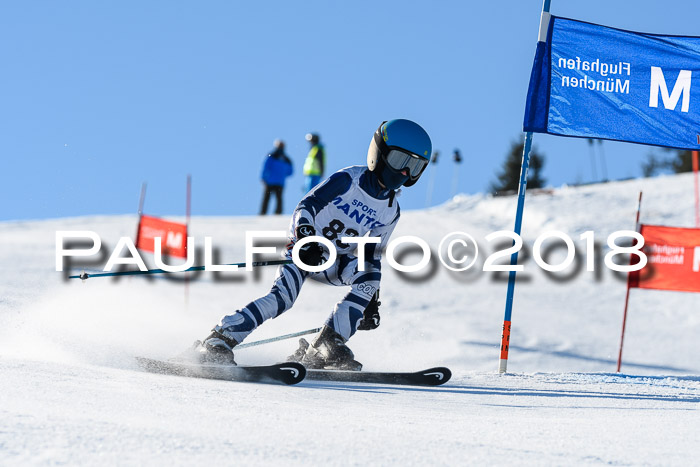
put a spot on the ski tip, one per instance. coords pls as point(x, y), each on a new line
point(437, 376)
point(291, 372)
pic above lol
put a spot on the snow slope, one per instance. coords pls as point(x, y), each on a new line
point(70, 392)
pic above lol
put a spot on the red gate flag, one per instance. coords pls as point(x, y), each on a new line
point(173, 235)
point(673, 259)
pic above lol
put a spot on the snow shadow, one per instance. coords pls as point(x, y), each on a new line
point(466, 390)
point(588, 358)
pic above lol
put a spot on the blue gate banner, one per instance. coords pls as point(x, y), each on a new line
point(593, 81)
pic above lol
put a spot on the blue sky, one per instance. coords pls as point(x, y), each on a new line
point(98, 97)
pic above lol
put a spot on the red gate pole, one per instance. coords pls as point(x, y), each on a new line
point(188, 206)
point(697, 189)
point(627, 296)
point(189, 199)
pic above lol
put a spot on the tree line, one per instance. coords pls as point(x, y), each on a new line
point(508, 177)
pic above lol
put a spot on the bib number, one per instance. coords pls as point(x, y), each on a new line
point(337, 229)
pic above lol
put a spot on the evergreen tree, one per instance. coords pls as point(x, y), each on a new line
point(509, 177)
point(683, 162)
point(679, 162)
point(653, 165)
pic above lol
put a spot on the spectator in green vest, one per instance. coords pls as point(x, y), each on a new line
point(315, 162)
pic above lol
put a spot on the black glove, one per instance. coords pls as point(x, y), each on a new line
point(310, 254)
point(370, 318)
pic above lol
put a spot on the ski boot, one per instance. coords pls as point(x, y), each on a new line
point(328, 351)
point(216, 348)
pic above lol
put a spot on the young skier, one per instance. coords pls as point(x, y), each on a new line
point(352, 202)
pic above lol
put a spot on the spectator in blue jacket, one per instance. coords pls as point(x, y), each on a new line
point(276, 169)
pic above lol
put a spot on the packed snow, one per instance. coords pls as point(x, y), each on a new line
point(71, 392)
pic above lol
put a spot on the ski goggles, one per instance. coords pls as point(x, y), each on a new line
point(399, 160)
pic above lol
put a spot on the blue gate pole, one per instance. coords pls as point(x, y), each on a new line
point(525, 164)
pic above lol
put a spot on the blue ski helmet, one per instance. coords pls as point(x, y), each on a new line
point(399, 146)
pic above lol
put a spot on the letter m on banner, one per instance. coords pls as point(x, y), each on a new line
point(658, 86)
point(173, 235)
point(673, 255)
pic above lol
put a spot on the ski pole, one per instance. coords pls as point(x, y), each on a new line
point(85, 276)
point(275, 339)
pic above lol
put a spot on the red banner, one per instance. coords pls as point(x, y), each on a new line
point(173, 235)
point(673, 255)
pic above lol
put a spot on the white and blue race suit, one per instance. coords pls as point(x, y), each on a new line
point(351, 202)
